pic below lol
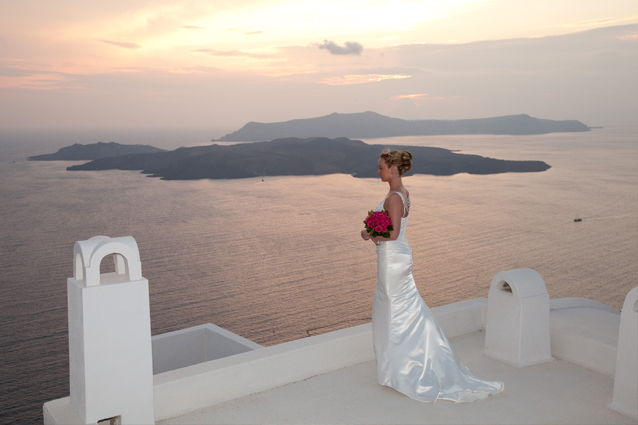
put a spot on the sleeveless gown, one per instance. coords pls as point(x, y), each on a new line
point(413, 355)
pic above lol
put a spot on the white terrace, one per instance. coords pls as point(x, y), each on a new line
point(567, 360)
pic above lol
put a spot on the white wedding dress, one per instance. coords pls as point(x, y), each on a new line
point(413, 355)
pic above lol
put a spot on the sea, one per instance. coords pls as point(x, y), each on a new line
point(275, 259)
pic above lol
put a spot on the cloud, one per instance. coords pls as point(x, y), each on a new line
point(417, 98)
point(246, 32)
point(600, 21)
point(409, 96)
point(349, 48)
point(360, 79)
point(193, 27)
point(233, 53)
point(123, 44)
point(13, 71)
point(37, 81)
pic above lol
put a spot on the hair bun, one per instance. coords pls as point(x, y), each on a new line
point(401, 159)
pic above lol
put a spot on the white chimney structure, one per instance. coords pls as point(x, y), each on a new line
point(517, 323)
point(625, 398)
point(110, 350)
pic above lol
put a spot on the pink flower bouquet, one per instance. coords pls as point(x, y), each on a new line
point(378, 223)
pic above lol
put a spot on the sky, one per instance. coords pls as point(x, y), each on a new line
point(223, 63)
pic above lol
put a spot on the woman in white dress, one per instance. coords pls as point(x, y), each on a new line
point(413, 355)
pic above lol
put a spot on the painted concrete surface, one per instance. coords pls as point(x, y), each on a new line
point(586, 336)
point(110, 351)
point(555, 392)
point(517, 323)
point(626, 382)
point(181, 391)
point(331, 378)
point(194, 345)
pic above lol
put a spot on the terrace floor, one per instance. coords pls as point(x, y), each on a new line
point(556, 392)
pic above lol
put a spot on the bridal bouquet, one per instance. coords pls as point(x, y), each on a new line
point(378, 223)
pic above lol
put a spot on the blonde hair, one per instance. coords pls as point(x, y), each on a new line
point(401, 159)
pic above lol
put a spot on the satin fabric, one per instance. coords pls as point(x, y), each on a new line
point(413, 355)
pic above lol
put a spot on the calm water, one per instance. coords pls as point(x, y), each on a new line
point(282, 259)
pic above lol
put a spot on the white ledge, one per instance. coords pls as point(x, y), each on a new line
point(194, 387)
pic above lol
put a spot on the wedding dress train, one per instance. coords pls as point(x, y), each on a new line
point(413, 355)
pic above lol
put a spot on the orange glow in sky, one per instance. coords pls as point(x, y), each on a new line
point(409, 96)
point(99, 46)
point(360, 79)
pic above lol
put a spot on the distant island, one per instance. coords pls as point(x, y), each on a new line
point(299, 157)
point(370, 125)
point(78, 152)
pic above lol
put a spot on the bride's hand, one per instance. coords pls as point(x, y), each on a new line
point(365, 235)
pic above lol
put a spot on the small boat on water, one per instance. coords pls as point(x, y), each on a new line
point(577, 219)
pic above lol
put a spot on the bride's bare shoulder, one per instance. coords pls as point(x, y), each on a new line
point(393, 199)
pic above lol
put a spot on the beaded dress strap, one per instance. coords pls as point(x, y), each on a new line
point(405, 200)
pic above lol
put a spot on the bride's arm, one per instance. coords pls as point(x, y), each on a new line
point(394, 206)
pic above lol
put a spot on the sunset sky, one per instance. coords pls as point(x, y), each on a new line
point(222, 63)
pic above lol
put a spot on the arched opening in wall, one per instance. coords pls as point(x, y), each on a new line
point(79, 267)
point(504, 287)
point(116, 420)
point(107, 265)
point(114, 267)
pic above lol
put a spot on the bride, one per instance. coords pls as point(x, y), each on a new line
point(413, 355)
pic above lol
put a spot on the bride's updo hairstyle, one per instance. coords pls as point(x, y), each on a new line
point(402, 159)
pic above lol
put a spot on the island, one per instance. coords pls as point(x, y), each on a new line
point(79, 152)
point(370, 125)
point(298, 157)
